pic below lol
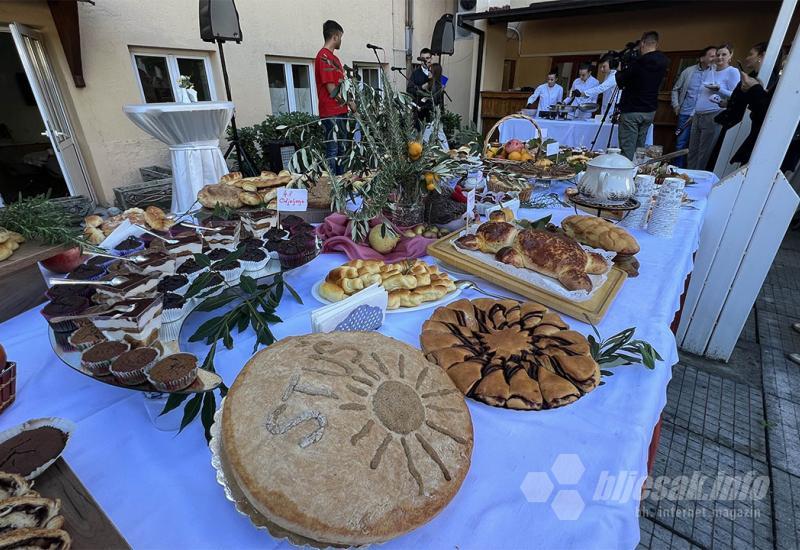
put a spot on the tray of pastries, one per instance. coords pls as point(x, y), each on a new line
point(411, 284)
point(510, 354)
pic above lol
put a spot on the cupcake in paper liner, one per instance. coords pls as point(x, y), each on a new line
point(254, 259)
point(173, 308)
point(86, 272)
point(174, 372)
point(99, 357)
point(230, 270)
point(179, 284)
point(191, 269)
point(62, 339)
point(64, 307)
point(170, 331)
point(86, 337)
point(130, 368)
point(128, 247)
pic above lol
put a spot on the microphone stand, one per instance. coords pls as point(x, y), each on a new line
point(375, 51)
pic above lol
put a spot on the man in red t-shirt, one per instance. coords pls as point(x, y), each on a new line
point(328, 73)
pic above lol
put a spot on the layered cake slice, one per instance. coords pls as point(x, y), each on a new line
point(139, 327)
point(136, 285)
point(188, 244)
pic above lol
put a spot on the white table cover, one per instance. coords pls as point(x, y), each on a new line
point(161, 492)
point(573, 133)
point(192, 131)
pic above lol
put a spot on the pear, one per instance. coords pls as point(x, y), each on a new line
point(382, 238)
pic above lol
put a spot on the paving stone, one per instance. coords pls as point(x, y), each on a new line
point(708, 522)
point(781, 376)
point(725, 411)
point(750, 330)
point(783, 433)
point(783, 276)
point(776, 331)
point(655, 536)
point(782, 300)
point(786, 489)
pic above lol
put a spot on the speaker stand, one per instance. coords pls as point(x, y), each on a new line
point(243, 160)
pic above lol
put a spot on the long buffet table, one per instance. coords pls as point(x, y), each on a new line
point(572, 133)
point(161, 491)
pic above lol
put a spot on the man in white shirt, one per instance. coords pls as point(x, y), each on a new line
point(585, 81)
point(607, 87)
point(548, 94)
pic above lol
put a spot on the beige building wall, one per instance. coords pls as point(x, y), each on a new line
point(114, 148)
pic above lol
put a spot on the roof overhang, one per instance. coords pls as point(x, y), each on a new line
point(570, 8)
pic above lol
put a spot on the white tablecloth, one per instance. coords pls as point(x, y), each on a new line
point(192, 131)
point(161, 492)
point(573, 133)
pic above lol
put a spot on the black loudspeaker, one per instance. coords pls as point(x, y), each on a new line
point(219, 20)
point(443, 40)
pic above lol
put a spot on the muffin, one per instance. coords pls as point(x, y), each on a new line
point(130, 368)
point(57, 292)
point(86, 272)
point(229, 269)
point(68, 305)
point(250, 242)
point(128, 247)
point(98, 358)
point(218, 254)
point(174, 372)
point(173, 308)
point(297, 251)
point(178, 284)
point(253, 259)
point(86, 337)
point(191, 269)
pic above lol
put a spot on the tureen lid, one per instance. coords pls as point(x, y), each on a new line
point(611, 159)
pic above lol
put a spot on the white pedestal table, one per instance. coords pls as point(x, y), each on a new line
point(192, 132)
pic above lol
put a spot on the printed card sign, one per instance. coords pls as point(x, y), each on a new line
point(292, 200)
point(552, 149)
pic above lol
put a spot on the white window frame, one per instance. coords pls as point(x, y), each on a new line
point(359, 67)
point(172, 67)
point(289, 79)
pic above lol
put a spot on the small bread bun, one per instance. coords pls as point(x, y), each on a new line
point(93, 221)
point(249, 198)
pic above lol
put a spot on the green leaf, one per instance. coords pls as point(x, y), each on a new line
point(293, 292)
point(207, 416)
point(199, 284)
point(606, 373)
point(207, 329)
point(272, 318)
point(248, 284)
point(216, 302)
point(208, 362)
point(173, 401)
point(191, 410)
point(244, 320)
point(202, 260)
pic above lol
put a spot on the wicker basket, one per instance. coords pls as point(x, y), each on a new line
point(142, 195)
point(498, 187)
point(521, 167)
point(8, 385)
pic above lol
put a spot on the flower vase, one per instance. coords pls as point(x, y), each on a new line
point(407, 214)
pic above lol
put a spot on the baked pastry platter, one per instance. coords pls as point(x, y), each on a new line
point(549, 267)
point(510, 354)
point(308, 408)
point(412, 285)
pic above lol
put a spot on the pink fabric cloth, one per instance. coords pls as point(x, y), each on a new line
point(335, 232)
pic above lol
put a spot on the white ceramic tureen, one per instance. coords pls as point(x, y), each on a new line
point(608, 178)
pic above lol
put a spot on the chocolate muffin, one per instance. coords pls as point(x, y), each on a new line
point(86, 272)
point(290, 221)
point(99, 357)
point(67, 305)
point(130, 368)
point(57, 292)
point(86, 337)
point(251, 242)
point(218, 254)
point(190, 268)
point(174, 372)
point(130, 245)
point(229, 269)
point(276, 234)
point(172, 307)
point(171, 283)
point(253, 259)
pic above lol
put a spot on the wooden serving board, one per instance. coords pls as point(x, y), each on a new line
point(84, 520)
point(593, 309)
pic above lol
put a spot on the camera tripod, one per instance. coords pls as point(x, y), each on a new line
point(612, 104)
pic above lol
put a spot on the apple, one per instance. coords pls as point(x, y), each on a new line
point(65, 261)
point(382, 238)
point(513, 145)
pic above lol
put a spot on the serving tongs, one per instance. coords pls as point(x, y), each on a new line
point(156, 235)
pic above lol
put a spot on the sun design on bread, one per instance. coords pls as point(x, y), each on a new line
point(401, 404)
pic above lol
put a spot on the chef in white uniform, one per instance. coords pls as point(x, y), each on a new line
point(607, 87)
point(548, 94)
point(585, 81)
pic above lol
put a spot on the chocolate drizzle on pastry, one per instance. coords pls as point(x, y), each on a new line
point(507, 354)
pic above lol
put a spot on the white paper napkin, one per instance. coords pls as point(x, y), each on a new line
point(365, 310)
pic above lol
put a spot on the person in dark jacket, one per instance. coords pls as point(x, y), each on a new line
point(640, 81)
point(415, 87)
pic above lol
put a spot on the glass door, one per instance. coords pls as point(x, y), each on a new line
point(49, 99)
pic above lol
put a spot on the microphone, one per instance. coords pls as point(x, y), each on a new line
point(398, 68)
point(373, 47)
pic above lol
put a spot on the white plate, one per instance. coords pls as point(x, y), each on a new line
point(424, 305)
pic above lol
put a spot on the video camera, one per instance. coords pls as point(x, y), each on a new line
point(622, 59)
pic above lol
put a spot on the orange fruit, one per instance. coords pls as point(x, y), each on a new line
point(429, 178)
point(515, 155)
point(430, 186)
point(414, 149)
